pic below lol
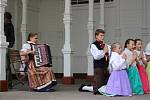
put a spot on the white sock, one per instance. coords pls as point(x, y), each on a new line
point(89, 88)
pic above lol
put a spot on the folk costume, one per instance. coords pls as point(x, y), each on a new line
point(143, 74)
point(118, 82)
point(133, 74)
point(101, 61)
point(41, 79)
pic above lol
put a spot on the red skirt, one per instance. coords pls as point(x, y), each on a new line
point(144, 78)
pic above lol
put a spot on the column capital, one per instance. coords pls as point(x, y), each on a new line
point(67, 18)
point(90, 25)
point(66, 50)
point(3, 3)
point(24, 1)
point(101, 26)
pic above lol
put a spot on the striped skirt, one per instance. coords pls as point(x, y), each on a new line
point(39, 76)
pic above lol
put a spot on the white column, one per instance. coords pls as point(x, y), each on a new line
point(90, 32)
point(67, 46)
point(101, 22)
point(16, 22)
point(144, 26)
point(24, 21)
point(117, 27)
point(3, 46)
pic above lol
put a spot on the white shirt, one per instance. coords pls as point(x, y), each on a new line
point(116, 62)
point(26, 47)
point(129, 57)
point(96, 53)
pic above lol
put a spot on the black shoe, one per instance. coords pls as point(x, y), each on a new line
point(54, 83)
point(44, 90)
point(51, 90)
point(40, 90)
point(80, 88)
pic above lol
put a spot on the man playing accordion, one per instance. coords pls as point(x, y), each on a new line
point(41, 78)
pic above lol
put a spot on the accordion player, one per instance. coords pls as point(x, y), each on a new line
point(42, 56)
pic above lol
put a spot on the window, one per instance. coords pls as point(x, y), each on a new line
point(75, 2)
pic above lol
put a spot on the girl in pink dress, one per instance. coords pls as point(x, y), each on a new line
point(141, 65)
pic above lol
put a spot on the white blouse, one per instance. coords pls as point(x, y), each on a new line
point(129, 57)
point(26, 47)
point(116, 62)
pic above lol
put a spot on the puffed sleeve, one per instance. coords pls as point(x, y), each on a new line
point(129, 57)
point(97, 54)
point(117, 62)
point(26, 47)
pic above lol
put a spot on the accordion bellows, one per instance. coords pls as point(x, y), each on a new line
point(42, 56)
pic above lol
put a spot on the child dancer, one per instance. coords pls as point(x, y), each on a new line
point(147, 53)
point(141, 65)
point(100, 52)
point(132, 70)
point(118, 83)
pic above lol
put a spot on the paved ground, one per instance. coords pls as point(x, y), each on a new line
point(63, 92)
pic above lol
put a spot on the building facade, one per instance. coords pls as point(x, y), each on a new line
point(68, 27)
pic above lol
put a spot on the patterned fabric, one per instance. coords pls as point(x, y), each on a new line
point(39, 76)
point(135, 80)
point(144, 78)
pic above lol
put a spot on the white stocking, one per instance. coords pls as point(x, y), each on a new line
point(89, 88)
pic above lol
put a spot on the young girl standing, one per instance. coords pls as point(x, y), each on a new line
point(141, 65)
point(132, 70)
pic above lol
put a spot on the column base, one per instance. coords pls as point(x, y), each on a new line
point(90, 78)
point(3, 85)
point(68, 80)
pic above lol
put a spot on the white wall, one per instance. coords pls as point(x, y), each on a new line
point(131, 19)
point(79, 33)
point(51, 28)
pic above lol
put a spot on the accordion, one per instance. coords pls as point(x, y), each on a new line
point(42, 56)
